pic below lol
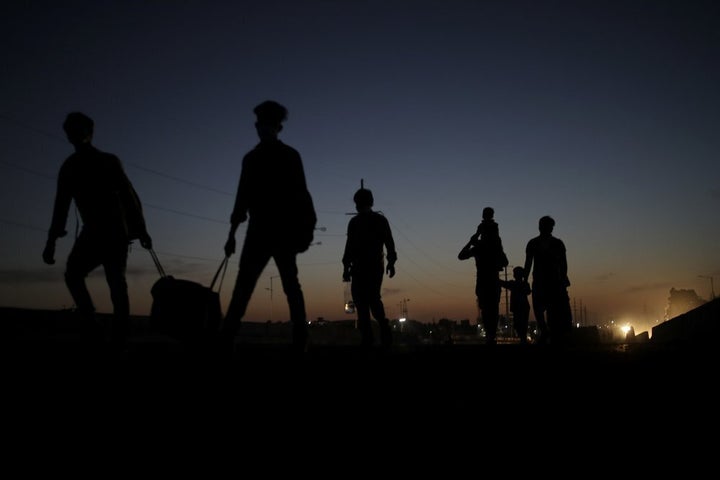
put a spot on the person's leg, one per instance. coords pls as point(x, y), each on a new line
point(367, 337)
point(115, 265)
point(386, 336)
point(377, 308)
point(286, 263)
point(520, 318)
point(359, 289)
point(559, 318)
point(253, 259)
point(479, 310)
point(489, 302)
point(490, 317)
point(539, 305)
point(378, 312)
point(83, 259)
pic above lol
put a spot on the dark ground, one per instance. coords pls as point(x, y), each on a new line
point(49, 343)
point(68, 402)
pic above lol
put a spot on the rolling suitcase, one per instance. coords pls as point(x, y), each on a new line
point(184, 309)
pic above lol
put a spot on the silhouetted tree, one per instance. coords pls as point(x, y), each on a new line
point(681, 301)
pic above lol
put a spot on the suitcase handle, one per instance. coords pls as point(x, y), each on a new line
point(157, 262)
point(222, 268)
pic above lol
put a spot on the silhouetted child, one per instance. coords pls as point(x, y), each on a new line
point(368, 234)
point(488, 226)
point(519, 304)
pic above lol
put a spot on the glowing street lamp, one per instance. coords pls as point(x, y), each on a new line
point(404, 309)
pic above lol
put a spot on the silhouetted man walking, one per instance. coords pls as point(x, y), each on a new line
point(368, 237)
point(273, 194)
point(112, 217)
point(485, 246)
point(546, 255)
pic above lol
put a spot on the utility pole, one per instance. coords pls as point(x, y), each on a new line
point(271, 295)
point(507, 301)
point(712, 287)
point(403, 312)
point(574, 309)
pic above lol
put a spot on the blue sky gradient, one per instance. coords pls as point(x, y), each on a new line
point(604, 115)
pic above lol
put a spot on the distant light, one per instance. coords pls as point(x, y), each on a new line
point(401, 319)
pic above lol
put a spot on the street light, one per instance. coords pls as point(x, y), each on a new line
point(712, 288)
point(404, 309)
point(403, 312)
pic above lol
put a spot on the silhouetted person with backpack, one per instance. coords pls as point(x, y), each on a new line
point(485, 246)
point(272, 195)
point(546, 256)
point(369, 237)
point(519, 290)
point(112, 218)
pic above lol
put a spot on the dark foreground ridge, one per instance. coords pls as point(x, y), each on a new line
point(52, 377)
point(50, 338)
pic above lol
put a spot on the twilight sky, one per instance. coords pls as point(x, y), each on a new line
point(604, 115)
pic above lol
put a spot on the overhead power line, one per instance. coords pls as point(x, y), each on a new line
point(22, 225)
point(28, 170)
point(178, 212)
point(177, 179)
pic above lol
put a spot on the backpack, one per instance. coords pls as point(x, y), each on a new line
point(302, 223)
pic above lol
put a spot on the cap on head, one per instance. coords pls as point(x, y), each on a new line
point(270, 112)
point(363, 198)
